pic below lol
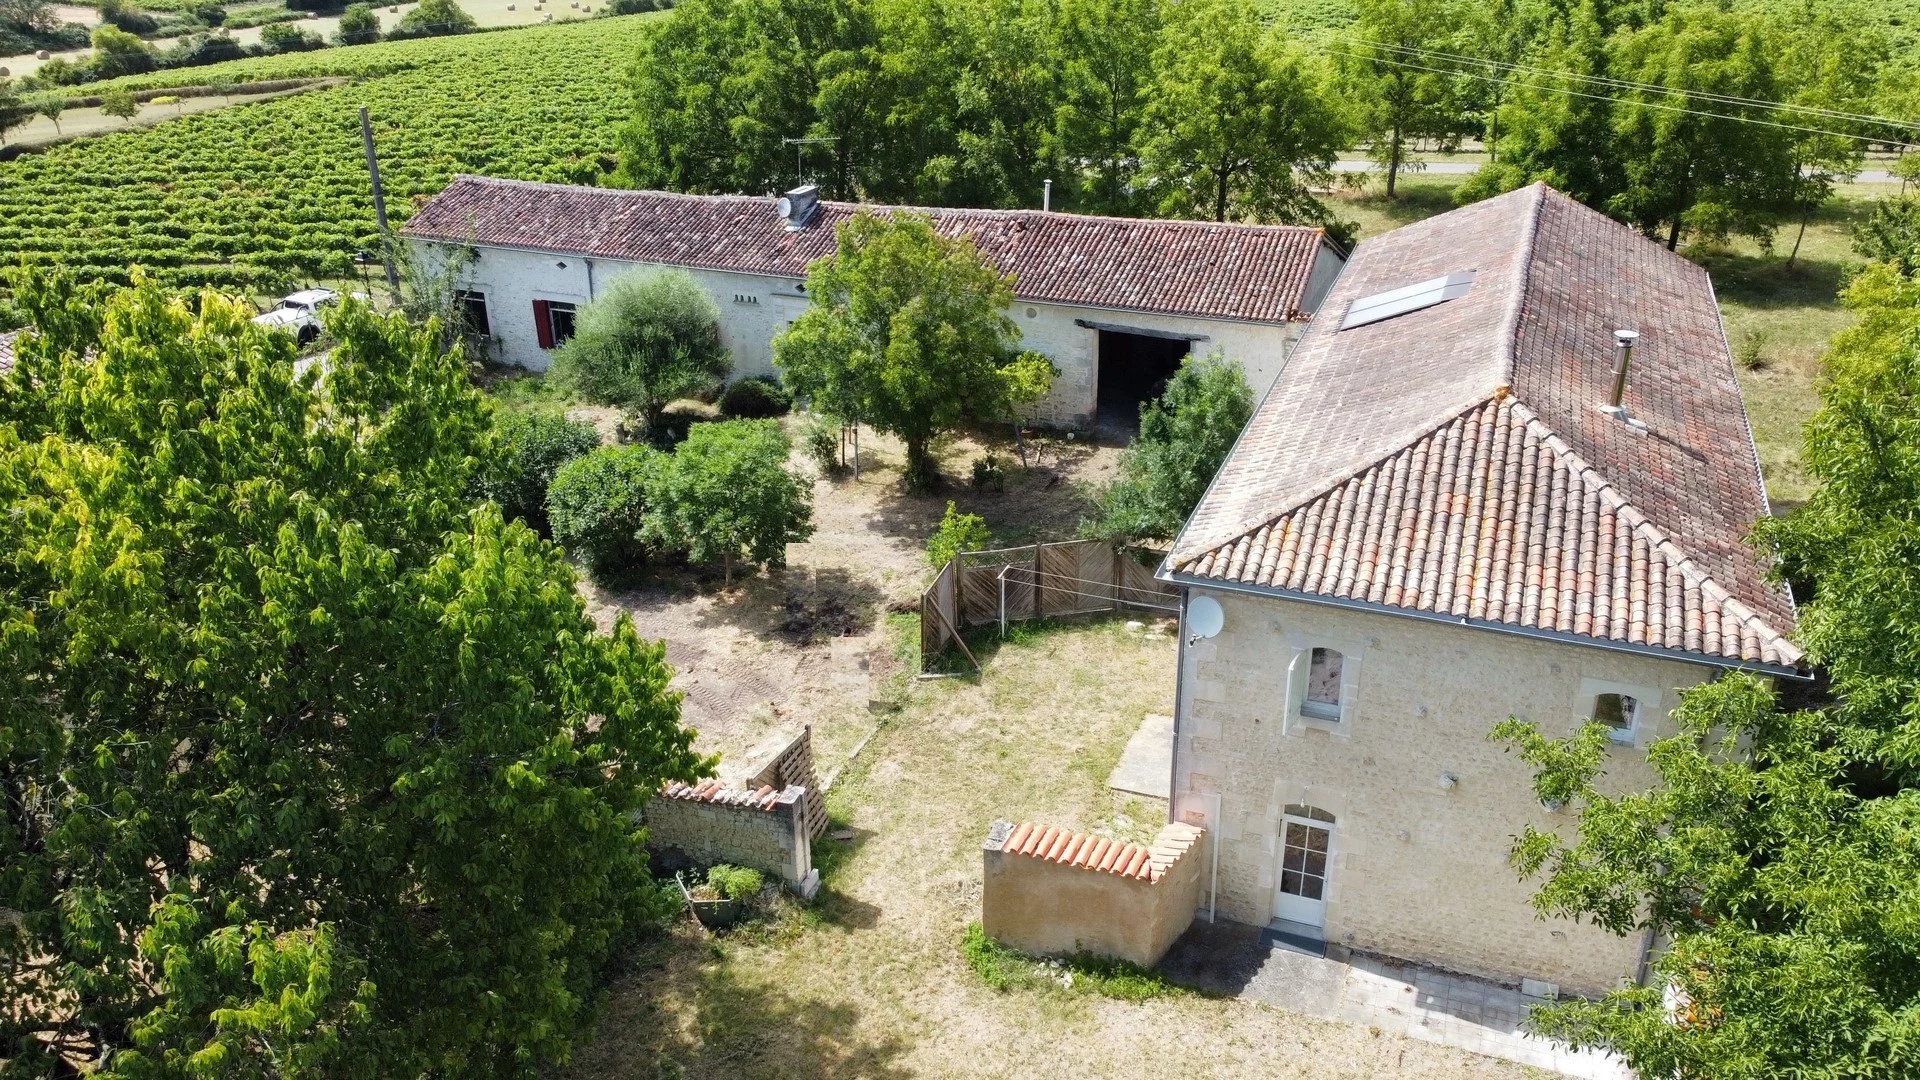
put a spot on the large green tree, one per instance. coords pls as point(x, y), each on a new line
point(1775, 861)
point(649, 337)
point(1559, 128)
point(1237, 123)
point(1691, 162)
point(306, 766)
point(1396, 92)
point(726, 494)
point(907, 331)
point(1106, 55)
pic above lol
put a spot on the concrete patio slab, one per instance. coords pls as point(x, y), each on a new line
point(1403, 999)
point(1146, 765)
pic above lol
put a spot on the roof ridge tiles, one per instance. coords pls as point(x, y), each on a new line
point(1510, 325)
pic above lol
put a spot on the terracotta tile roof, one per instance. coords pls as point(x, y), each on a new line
point(1256, 273)
point(1098, 853)
point(764, 797)
point(1455, 461)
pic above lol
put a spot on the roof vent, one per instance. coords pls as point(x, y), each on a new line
point(1382, 306)
point(1616, 406)
point(797, 206)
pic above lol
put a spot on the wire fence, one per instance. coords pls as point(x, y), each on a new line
point(1040, 581)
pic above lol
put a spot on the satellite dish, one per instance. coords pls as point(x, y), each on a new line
point(1205, 617)
point(784, 207)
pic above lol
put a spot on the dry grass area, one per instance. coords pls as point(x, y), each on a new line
point(872, 983)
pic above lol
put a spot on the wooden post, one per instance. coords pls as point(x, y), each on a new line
point(379, 201)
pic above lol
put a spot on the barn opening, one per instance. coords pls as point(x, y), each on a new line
point(1134, 369)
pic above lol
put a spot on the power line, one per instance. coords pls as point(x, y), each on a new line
point(1606, 97)
point(1627, 84)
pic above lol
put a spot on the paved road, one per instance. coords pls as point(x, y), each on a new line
point(1462, 168)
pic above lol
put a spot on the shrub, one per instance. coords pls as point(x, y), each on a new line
point(597, 507)
point(726, 494)
point(737, 883)
point(358, 25)
point(956, 533)
point(434, 17)
point(211, 14)
point(756, 397)
point(633, 7)
point(117, 52)
point(534, 445)
point(1184, 436)
point(649, 338)
point(990, 473)
point(1751, 350)
point(286, 38)
point(1006, 969)
point(820, 441)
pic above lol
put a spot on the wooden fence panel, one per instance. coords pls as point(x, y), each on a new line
point(1075, 577)
point(937, 610)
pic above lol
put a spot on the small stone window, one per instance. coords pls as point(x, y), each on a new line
point(1322, 701)
point(1618, 712)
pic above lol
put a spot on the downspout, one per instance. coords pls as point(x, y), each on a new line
point(1179, 695)
point(589, 263)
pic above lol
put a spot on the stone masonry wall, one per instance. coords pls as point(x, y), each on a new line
point(1425, 807)
point(1050, 891)
point(711, 823)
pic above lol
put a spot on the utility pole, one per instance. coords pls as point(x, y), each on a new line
point(379, 201)
point(799, 149)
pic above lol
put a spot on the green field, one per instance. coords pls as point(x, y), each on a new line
point(257, 197)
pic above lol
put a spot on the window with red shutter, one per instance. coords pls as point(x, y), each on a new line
point(542, 324)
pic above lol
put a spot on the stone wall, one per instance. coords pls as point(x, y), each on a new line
point(783, 760)
point(1050, 891)
point(709, 823)
point(1425, 808)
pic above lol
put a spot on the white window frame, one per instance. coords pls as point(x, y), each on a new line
point(1646, 704)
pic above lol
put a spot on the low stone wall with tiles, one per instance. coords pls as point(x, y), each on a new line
point(1052, 891)
point(782, 760)
point(761, 827)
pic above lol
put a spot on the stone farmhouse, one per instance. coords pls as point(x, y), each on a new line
point(1450, 510)
point(1116, 303)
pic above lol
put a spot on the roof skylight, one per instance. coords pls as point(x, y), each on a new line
point(1425, 294)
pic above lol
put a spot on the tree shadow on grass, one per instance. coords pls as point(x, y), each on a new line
point(682, 1009)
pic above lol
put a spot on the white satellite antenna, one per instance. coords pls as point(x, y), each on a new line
point(1205, 618)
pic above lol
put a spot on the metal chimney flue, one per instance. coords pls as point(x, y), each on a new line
point(1046, 195)
point(1623, 358)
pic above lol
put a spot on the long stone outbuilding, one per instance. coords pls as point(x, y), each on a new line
point(1115, 303)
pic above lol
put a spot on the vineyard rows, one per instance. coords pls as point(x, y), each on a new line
point(256, 197)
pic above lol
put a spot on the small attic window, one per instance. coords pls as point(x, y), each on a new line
point(1382, 306)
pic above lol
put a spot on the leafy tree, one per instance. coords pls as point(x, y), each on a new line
point(957, 532)
point(29, 16)
point(116, 52)
point(652, 336)
point(1775, 858)
point(906, 331)
point(434, 17)
point(1555, 129)
point(1831, 61)
point(726, 494)
point(51, 107)
point(1106, 52)
point(1714, 174)
point(1890, 233)
point(1236, 122)
point(358, 25)
point(115, 101)
point(14, 111)
point(1184, 436)
point(597, 505)
point(534, 445)
point(306, 766)
point(281, 38)
point(1396, 102)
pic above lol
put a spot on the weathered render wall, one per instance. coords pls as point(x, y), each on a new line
point(754, 309)
point(1419, 867)
point(1058, 899)
point(710, 823)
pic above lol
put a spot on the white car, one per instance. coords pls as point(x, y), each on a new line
point(299, 313)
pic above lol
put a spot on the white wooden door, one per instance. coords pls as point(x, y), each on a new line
point(1306, 841)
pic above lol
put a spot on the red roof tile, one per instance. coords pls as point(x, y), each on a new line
point(1102, 854)
point(1454, 460)
point(1256, 273)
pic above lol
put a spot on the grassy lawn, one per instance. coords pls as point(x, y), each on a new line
point(1779, 319)
point(873, 982)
